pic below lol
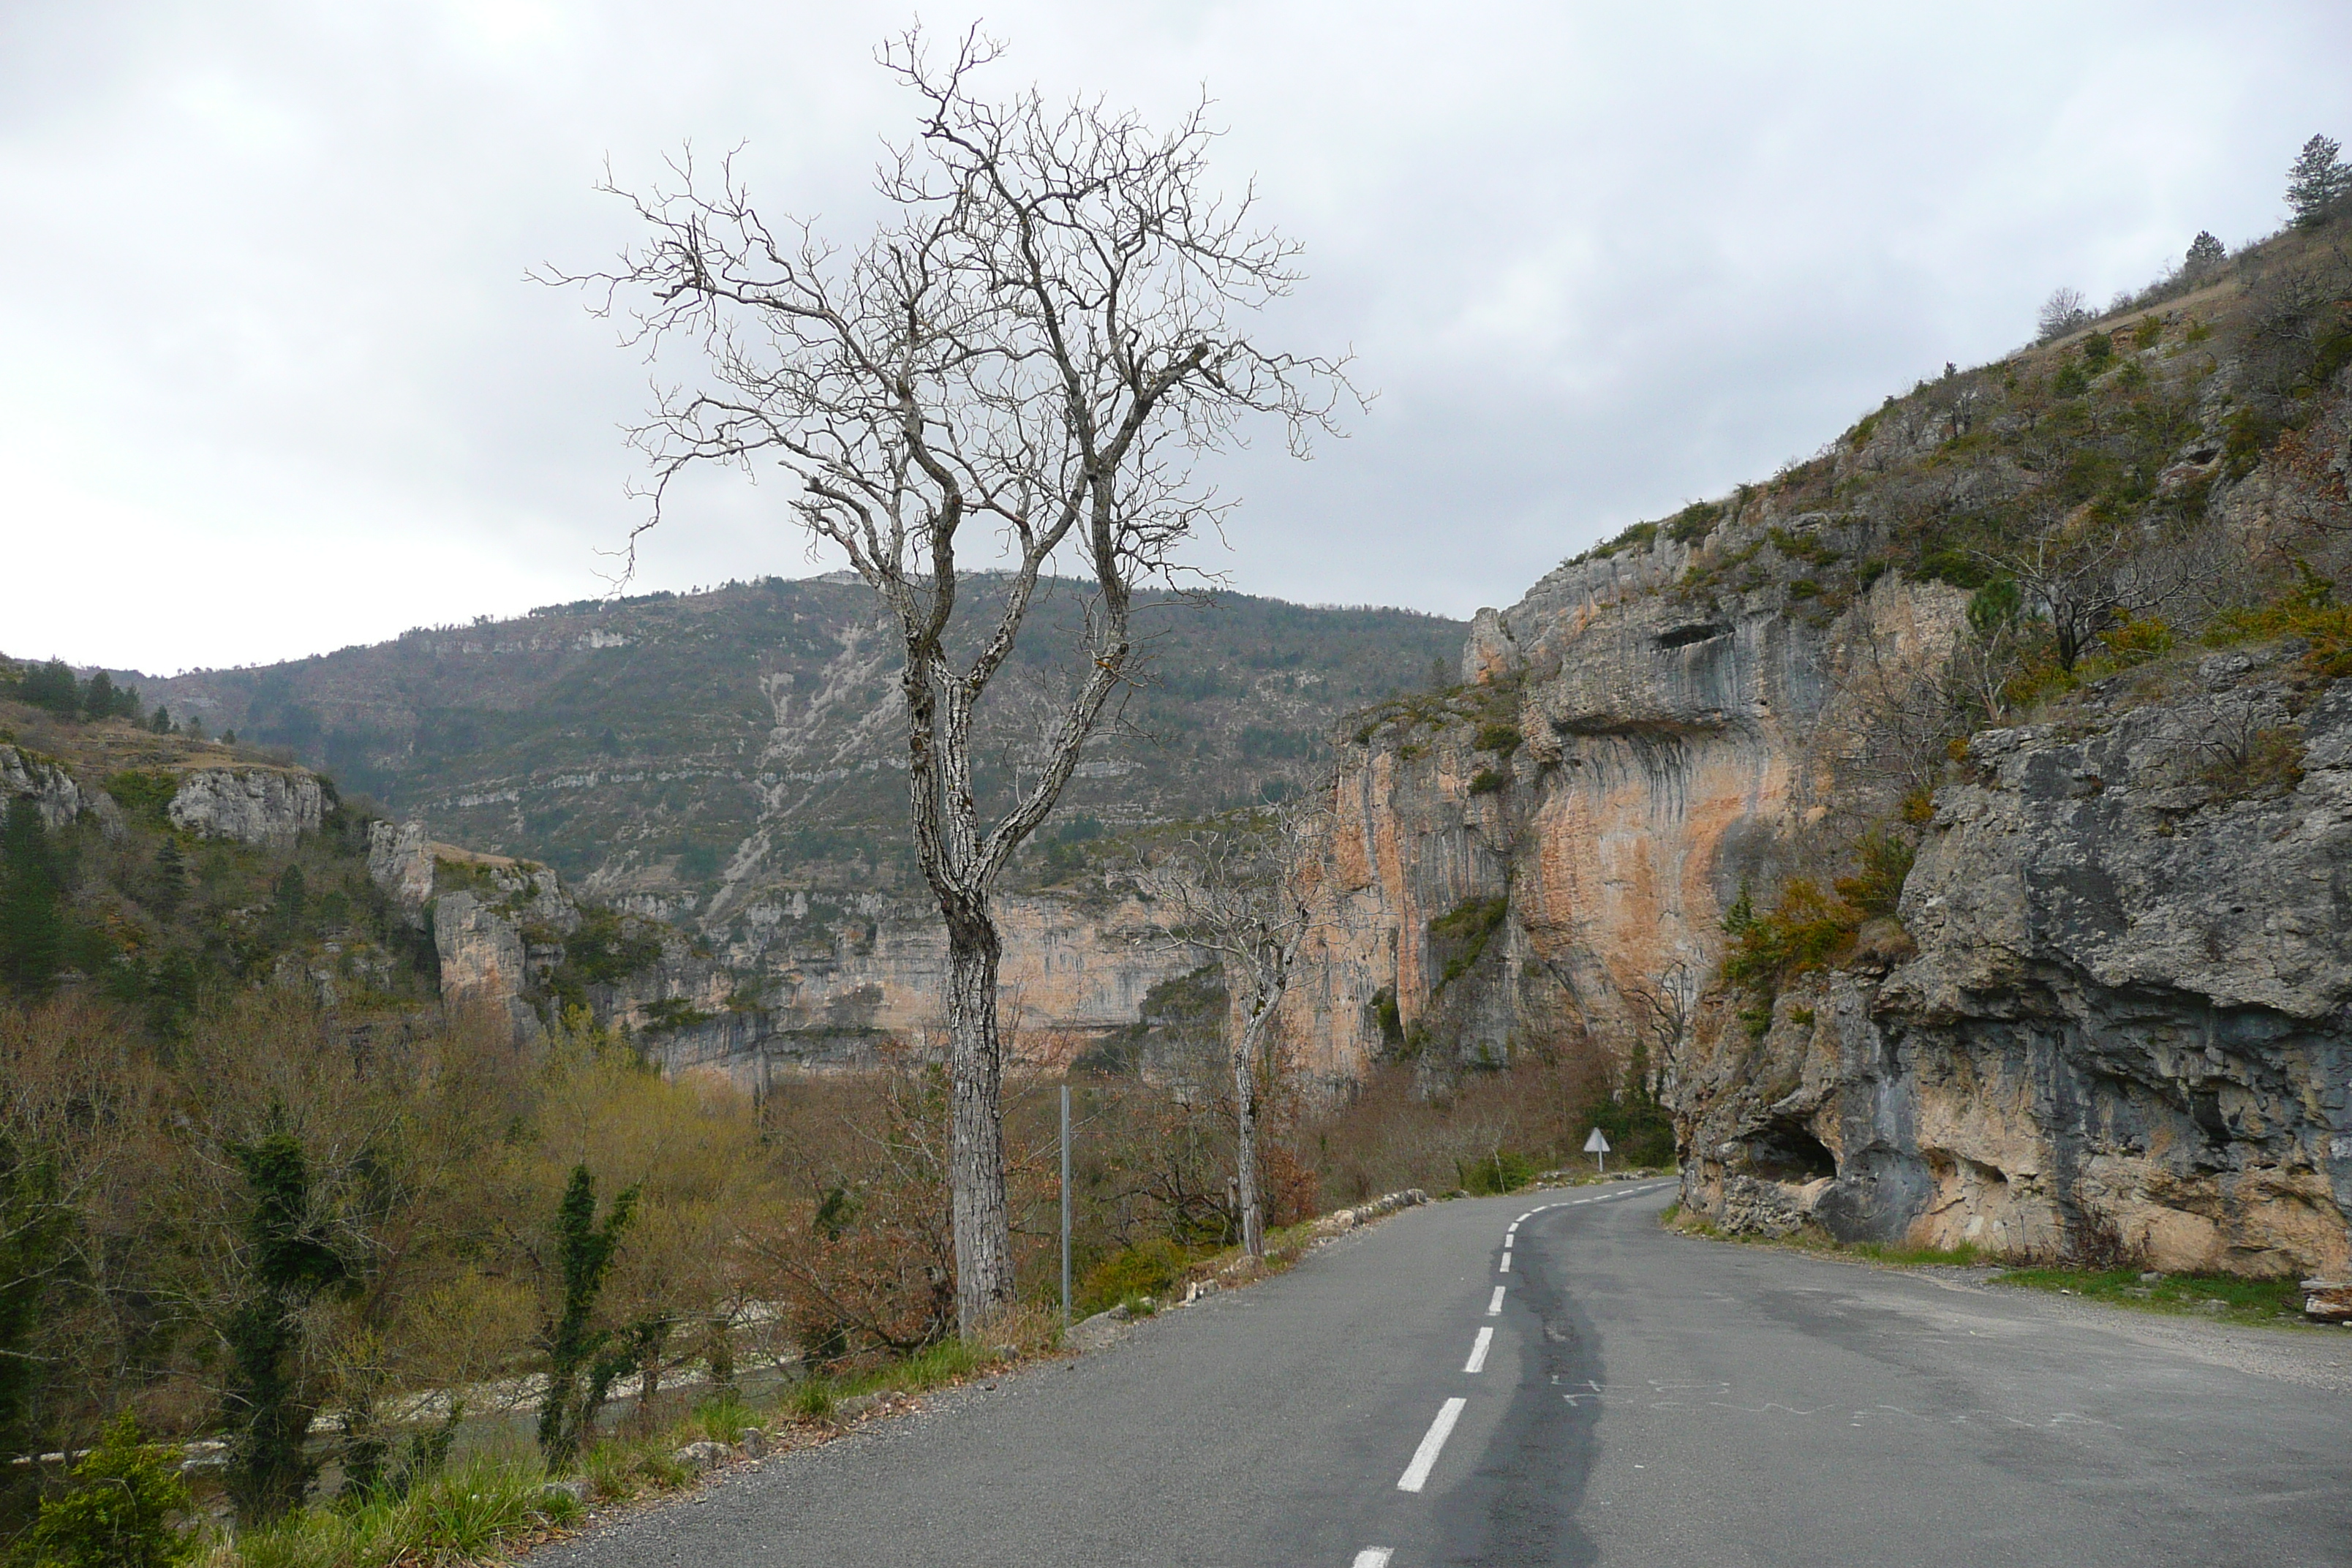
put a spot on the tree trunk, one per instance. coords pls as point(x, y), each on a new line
point(1246, 1116)
point(983, 1231)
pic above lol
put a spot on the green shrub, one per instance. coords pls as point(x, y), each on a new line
point(2138, 641)
point(1994, 605)
point(1458, 938)
point(2070, 381)
point(1487, 780)
point(1694, 522)
point(2307, 610)
point(1503, 738)
point(1876, 885)
point(1805, 929)
point(144, 794)
point(2097, 349)
point(118, 1512)
point(2148, 333)
point(1504, 1171)
point(1150, 1267)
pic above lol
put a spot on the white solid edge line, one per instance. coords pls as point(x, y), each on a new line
point(1477, 1362)
point(1433, 1443)
point(1373, 1557)
point(1494, 1307)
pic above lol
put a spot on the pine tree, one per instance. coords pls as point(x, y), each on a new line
point(2205, 254)
point(35, 1225)
point(291, 1260)
point(52, 685)
point(162, 722)
point(2319, 180)
point(32, 918)
point(583, 1358)
point(291, 895)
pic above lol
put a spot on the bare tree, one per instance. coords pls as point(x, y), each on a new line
point(2086, 575)
point(1237, 894)
point(1665, 1006)
point(1036, 345)
point(2061, 313)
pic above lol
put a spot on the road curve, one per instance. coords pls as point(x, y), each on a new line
point(1633, 1396)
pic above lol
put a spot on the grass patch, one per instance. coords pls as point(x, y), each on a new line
point(1964, 1256)
point(2227, 1298)
point(464, 1514)
point(2218, 1298)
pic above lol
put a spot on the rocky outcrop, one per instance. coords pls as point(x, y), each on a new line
point(266, 806)
point(51, 789)
point(2125, 1030)
point(1516, 866)
point(400, 861)
point(1075, 972)
point(484, 967)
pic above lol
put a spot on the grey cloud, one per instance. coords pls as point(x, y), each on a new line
point(266, 355)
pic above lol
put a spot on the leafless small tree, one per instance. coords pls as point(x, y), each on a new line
point(2085, 576)
point(1665, 1006)
point(2061, 313)
point(1237, 894)
point(1036, 346)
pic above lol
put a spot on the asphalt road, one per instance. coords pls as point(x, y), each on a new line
point(1644, 1398)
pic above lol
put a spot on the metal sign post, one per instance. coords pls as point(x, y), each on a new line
point(1596, 1144)
point(1065, 1206)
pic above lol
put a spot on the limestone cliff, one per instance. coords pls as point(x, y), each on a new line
point(2125, 1027)
point(1511, 869)
point(2110, 1015)
point(512, 939)
point(43, 781)
point(262, 805)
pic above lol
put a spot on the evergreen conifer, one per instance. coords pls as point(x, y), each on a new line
point(292, 1260)
point(52, 685)
point(32, 919)
point(2319, 180)
point(581, 1358)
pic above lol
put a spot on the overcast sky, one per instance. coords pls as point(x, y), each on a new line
point(271, 379)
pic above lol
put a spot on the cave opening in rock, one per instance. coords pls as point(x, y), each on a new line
point(1786, 1150)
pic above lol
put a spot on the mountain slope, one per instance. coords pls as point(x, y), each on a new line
point(731, 761)
point(2067, 629)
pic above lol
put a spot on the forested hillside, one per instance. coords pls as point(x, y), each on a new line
point(641, 746)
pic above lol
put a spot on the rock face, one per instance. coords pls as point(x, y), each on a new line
point(2125, 1030)
point(1513, 869)
point(400, 861)
point(48, 785)
point(1073, 973)
point(271, 807)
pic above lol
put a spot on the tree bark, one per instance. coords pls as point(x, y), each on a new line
point(983, 1231)
point(1246, 1117)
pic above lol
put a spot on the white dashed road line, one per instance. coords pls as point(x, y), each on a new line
point(1433, 1443)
